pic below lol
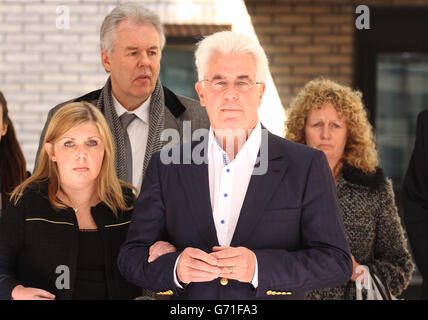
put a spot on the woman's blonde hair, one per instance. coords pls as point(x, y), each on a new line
point(360, 150)
point(109, 187)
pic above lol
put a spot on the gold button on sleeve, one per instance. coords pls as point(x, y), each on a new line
point(165, 293)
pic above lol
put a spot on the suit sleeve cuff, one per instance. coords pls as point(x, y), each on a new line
point(255, 281)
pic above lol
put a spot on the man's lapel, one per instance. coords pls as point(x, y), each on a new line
point(196, 186)
point(260, 191)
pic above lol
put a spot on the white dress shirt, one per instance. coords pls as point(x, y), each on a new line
point(138, 132)
point(228, 183)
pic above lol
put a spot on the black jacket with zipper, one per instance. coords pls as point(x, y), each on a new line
point(36, 242)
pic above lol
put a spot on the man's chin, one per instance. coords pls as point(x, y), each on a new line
point(143, 92)
point(233, 126)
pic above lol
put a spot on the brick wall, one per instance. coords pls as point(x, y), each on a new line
point(309, 38)
point(43, 64)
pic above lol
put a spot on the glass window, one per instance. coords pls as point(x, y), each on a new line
point(178, 71)
point(401, 93)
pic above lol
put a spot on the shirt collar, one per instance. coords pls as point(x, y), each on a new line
point(250, 148)
point(142, 112)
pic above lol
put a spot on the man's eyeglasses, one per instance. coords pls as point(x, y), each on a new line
point(223, 84)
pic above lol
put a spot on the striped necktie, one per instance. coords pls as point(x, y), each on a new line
point(126, 119)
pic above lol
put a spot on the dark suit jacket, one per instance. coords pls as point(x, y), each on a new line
point(290, 218)
point(415, 199)
point(35, 239)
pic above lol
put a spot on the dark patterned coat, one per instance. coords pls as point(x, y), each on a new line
point(373, 228)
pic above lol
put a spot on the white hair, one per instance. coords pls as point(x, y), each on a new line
point(234, 43)
point(134, 12)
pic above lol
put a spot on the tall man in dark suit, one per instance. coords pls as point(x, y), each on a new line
point(251, 214)
point(136, 105)
point(415, 200)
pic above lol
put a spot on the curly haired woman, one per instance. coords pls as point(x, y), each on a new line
point(330, 117)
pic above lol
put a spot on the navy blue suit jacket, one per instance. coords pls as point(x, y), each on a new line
point(290, 219)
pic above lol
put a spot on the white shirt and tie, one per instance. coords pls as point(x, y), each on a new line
point(138, 132)
point(228, 184)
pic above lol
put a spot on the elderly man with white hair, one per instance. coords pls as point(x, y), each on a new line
point(244, 214)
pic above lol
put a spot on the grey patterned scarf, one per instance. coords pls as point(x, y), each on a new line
point(156, 125)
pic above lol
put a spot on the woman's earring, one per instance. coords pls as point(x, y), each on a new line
point(53, 159)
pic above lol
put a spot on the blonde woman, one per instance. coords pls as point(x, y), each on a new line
point(60, 237)
point(330, 117)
